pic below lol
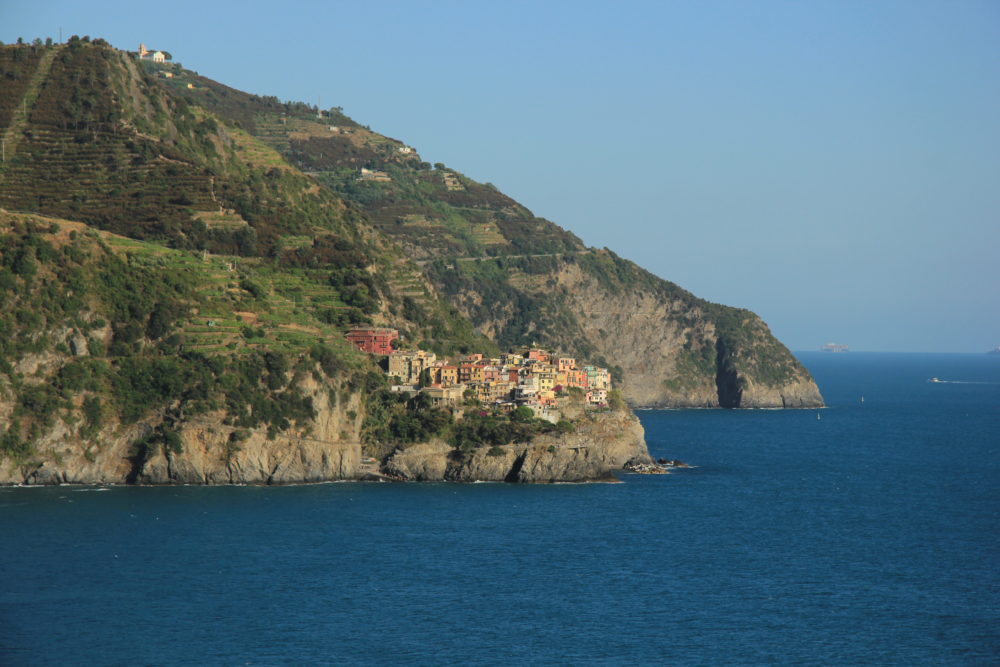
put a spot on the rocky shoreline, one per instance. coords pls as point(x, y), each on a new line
point(659, 467)
point(601, 444)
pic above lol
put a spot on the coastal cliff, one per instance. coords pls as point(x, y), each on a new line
point(602, 443)
point(206, 453)
point(205, 457)
point(203, 449)
point(175, 289)
point(114, 370)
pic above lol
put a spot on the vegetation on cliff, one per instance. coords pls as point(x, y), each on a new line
point(97, 329)
point(500, 265)
point(172, 249)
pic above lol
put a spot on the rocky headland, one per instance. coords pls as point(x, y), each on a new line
point(180, 262)
point(602, 443)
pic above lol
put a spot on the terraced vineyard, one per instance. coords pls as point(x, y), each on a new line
point(84, 156)
point(272, 131)
point(283, 316)
point(22, 69)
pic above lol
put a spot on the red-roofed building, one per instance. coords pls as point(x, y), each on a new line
point(373, 340)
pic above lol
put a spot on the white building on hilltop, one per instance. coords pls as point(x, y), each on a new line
point(155, 56)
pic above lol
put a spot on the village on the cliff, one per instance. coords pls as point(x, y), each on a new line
point(533, 378)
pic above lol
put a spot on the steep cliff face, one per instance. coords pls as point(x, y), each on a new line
point(601, 444)
point(206, 457)
point(208, 450)
point(666, 347)
point(327, 448)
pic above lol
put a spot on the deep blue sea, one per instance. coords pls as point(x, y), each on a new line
point(869, 536)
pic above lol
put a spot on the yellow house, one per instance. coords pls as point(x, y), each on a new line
point(448, 375)
point(546, 375)
point(422, 360)
point(565, 363)
point(444, 374)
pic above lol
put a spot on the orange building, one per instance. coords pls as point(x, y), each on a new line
point(577, 378)
point(538, 354)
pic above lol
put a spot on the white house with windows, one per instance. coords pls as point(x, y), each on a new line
point(155, 56)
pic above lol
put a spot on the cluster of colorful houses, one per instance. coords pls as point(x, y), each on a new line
point(533, 377)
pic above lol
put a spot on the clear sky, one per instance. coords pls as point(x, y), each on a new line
point(833, 166)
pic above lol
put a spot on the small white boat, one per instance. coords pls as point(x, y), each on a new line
point(934, 380)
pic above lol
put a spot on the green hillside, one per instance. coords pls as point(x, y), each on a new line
point(352, 226)
point(433, 211)
point(158, 263)
point(102, 144)
point(112, 329)
point(517, 292)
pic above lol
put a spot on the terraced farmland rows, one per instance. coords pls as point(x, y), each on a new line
point(487, 234)
point(272, 131)
point(23, 93)
point(285, 315)
point(408, 281)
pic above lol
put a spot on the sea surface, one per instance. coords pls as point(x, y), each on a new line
point(864, 533)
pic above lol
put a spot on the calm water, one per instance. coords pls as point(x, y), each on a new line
point(868, 536)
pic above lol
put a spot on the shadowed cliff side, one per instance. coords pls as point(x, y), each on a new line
point(666, 347)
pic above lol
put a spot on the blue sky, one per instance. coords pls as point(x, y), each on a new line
point(833, 166)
